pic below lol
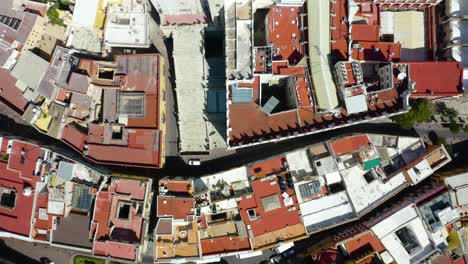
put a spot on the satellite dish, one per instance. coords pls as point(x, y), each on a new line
point(401, 76)
point(27, 191)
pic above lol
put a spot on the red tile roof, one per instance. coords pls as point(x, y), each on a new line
point(35, 7)
point(151, 114)
point(178, 186)
point(30, 157)
point(138, 73)
point(436, 79)
point(271, 220)
point(96, 133)
point(10, 94)
point(364, 32)
point(61, 94)
point(349, 144)
point(133, 188)
point(224, 244)
point(121, 227)
point(177, 207)
point(106, 223)
point(108, 154)
point(74, 137)
point(362, 240)
point(115, 249)
point(41, 203)
point(139, 151)
point(284, 32)
point(377, 51)
point(267, 167)
point(16, 220)
point(102, 210)
point(185, 19)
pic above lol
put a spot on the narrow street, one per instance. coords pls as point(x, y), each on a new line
point(17, 251)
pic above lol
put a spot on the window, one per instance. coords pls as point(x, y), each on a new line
point(7, 198)
point(252, 214)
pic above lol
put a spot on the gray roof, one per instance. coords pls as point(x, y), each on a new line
point(78, 83)
point(30, 69)
point(45, 87)
point(65, 170)
point(164, 226)
point(325, 165)
point(81, 99)
point(73, 230)
point(109, 111)
point(356, 104)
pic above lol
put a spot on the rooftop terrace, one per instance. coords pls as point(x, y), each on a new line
point(292, 89)
point(111, 112)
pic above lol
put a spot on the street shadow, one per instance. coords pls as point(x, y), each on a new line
point(11, 256)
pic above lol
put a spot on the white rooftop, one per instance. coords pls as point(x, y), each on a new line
point(56, 207)
point(406, 142)
point(298, 162)
point(356, 104)
point(230, 176)
point(127, 25)
point(385, 231)
point(177, 7)
point(326, 211)
point(420, 171)
point(85, 12)
point(364, 195)
point(459, 183)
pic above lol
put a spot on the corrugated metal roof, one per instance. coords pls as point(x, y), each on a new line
point(30, 69)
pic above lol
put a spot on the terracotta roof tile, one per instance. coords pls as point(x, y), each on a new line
point(177, 207)
point(10, 94)
point(224, 244)
point(436, 79)
point(349, 144)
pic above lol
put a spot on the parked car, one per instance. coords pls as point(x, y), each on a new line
point(276, 259)
point(194, 162)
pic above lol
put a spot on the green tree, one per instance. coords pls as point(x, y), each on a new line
point(421, 111)
point(442, 109)
point(454, 126)
point(54, 15)
point(448, 147)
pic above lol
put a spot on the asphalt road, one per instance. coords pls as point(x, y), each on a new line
point(22, 252)
point(424, 129)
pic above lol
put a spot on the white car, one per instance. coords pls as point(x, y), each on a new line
point(194, 162)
